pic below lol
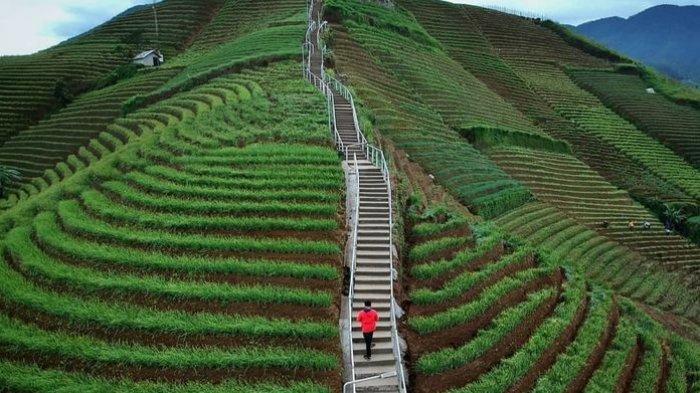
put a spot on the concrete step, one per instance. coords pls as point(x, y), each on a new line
point(381, 359)
point(373, 240)
point(380, 348)
point(379, 336)
point(370, 370)
point(373, 269)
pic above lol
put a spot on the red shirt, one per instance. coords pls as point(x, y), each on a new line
point(368, 320)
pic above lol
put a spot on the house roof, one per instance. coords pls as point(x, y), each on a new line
point(145, 54)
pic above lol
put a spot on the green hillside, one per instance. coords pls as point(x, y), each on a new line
point(189, 227)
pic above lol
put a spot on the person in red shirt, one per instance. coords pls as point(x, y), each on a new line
point(368, 320)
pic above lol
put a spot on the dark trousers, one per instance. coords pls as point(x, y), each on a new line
point(368, 343)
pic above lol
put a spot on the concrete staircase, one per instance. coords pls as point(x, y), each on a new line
point(373, 273)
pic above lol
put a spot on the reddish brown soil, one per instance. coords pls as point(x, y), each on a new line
point(673, 322)
point(438, 282)
point(596, 357)
point(50, 322)
point(171, 375)
point(473, 292)
point(506, 347)
point(223, 278)
point(550, 355)
point(624, 384)
point(664, 367)
point(458, 335)
point(288, 257)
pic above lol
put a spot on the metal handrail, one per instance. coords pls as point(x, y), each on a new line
point(353, 266)
point(327, 85)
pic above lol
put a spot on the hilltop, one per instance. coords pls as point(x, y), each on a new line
point(665, 37)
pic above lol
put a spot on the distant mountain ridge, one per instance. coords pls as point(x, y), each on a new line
point(666, 37)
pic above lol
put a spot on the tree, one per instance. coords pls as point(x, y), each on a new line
point(7, 175)
point(674, 216)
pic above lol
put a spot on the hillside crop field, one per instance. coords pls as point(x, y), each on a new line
point(190, 227)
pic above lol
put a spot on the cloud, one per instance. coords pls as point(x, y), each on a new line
point(27, 26)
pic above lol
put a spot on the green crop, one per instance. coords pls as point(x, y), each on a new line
point(465, 281)
point(515, 367)
point(120, 316)
point(509, 319)
point(101, 206)
point(436, 269)
point(31, 378)
point(463, 313)
point(19, 245)
point(49, 234)
point(77, 221)
point(20, 338)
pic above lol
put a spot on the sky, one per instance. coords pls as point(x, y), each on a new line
point(27, 26)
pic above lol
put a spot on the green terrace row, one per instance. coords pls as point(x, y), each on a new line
point(514, 38)
point(416, 129)
point(569, 336)
point(64, 132)
point(91, 56)
point(673, 124)
point(593, 117)
point(547, 228)
point(237, 17)
point(579, 191)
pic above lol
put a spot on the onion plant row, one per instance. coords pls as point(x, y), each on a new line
point(464, 313)
point(75, 220)
point(155, 185)
point(20, 338)
point(101, 206)
point(435, 269)
point(288, 182)
point(20, 378)
point(21, 293)
point(467, 280)
point(515, 367)
point(33, 260)
point(49, 234)
point(500, 328)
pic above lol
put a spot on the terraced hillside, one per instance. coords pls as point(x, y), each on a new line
point(99, 114)
point(459, 30)
point(675, 125)
point(183, 229)
point(207, 253)
point(33, 86)
point(487, 313)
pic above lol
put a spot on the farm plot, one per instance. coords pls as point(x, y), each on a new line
point(237, 17)
point(74, 128)
point(546, 227)
point(460, 98)
point(594, 118)
point(581, 193)
point(204, 258)
point(501, 316)
point(677, 126)
point(411, 124)
point(42, 146)
point(30, 84)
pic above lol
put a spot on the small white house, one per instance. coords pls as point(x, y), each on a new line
point(149, 58)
